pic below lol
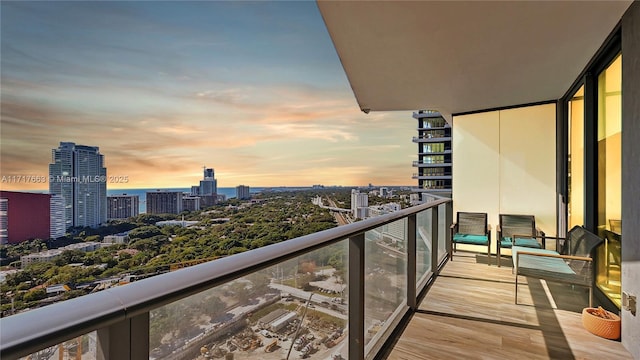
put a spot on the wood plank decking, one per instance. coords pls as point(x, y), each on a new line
point(469, 313)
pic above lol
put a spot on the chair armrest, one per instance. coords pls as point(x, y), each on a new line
point(556, 238)
point(566, 257)
point(488, 227)
point(498, 228)
point(453, 226)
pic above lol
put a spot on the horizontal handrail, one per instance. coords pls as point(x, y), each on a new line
point(28, 332)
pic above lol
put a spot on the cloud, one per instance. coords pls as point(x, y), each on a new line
point(255, 93)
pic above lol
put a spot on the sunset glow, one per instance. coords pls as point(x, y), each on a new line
point(252, 89)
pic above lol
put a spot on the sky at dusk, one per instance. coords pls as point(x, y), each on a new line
point(252, 89)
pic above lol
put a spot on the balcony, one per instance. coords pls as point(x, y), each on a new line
point(381, 269)
point(444, 176)
point(470, 309)
point(374, 269)
point(431, 139)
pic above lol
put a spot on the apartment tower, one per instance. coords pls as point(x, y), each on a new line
point(164, 202)
point(242, 192)
point(123, 206)
point(77, 173)
point(434, 153)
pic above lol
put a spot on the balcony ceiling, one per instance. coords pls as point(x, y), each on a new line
point(458, 56)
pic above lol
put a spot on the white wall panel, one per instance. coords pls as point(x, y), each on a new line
point(504, 162)
point(476, 153)
point(528, 164)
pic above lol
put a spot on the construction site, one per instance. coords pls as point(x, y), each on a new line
point(289, 329)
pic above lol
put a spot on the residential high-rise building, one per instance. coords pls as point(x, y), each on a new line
point(242, 192)
point(57, 217)
point(209, 184)
point(359, 204)
point(190, 203)
point(123, 206)
point(208, 188)
point(434, 153)
point(77, 173)
point(25, 216)
point(4, 221)
point(164, 202)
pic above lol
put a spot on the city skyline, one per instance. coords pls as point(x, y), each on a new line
point(162, 88)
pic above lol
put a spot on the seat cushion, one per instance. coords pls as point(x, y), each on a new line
point(549, 268)
point(470, 239)
point(524, 242)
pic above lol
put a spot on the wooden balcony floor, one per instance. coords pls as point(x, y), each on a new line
point(469, 313)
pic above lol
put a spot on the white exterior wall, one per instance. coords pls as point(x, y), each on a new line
point(505, 164)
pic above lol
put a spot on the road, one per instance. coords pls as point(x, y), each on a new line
point(341, 218)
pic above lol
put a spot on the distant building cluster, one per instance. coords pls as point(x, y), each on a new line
point(201, 196)
point(78, 198)
point(50, 255)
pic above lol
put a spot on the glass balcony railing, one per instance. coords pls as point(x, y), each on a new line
point(339, 293)
point(431, 175)
point(433, 137)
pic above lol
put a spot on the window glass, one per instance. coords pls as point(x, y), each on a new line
point(576, 159)
point(610, 179)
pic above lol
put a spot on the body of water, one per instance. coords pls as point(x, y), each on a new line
point(229, 192)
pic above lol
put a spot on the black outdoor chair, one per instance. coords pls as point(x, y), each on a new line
point(471, 229)
point(519, 230)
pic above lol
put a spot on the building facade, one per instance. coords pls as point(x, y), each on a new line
point(57, 217)
point(24, 216)
point(359, 204)
point(242, 192)
point(50, 255)
point(209, 184)
point(164, 202)
point(4, 221)
point(434, 162)
point(190, 203)
point(77, 173)
point(123, 206)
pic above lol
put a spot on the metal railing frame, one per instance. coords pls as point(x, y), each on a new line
point(120, 315)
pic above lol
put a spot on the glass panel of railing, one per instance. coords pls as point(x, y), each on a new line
point(385, 285)
point(81, 347)
point(442, 232)
point(264, 315)
point(423, 246)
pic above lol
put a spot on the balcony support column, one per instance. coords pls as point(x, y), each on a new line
point(356, 296)
point(411, 262)
point(434, 241)
point(125, 340)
